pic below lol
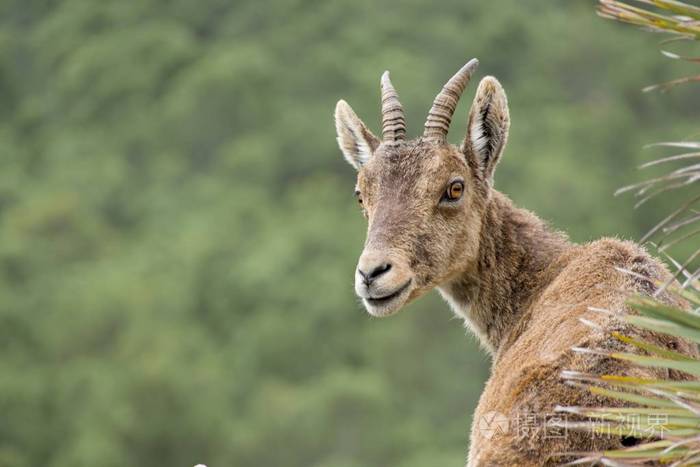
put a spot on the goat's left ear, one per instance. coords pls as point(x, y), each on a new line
point(487, 128)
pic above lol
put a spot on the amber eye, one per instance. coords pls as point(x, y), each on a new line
point(454, 191)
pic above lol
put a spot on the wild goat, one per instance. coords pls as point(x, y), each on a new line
point(434, 220)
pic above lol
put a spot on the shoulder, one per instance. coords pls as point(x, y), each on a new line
point(614, 249)
point(612, 255)
point(606, 260)
point(621, 254)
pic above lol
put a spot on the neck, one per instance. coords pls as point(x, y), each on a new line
point(517, 258)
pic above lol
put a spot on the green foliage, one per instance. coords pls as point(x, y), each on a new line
point(680, 20)
point(665, 413)
point(674, 436)
point(668, 16)
point(178, 231)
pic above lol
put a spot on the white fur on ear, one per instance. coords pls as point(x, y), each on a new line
point(478, 137)
point(354, 138)
point(489, 122)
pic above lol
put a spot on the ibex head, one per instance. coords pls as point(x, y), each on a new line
point(424, 199)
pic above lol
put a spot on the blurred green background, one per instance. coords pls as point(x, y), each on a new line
point(178, 232)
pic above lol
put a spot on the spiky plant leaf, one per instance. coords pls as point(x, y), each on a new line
point(666, 413)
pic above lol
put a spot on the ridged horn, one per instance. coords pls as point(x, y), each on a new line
point(445, 103)
point(393, 121)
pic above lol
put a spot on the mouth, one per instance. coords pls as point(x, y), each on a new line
point(386, 299)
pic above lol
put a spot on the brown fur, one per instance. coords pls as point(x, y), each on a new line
point(521, 287)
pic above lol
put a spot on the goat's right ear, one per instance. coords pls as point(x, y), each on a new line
point(487, 128)
point(354, 138)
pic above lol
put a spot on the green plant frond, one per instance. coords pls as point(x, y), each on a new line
point(685, 216)
point(689, 389)
point(655, 383)
point(626, 13)
point(670, 230)
point(675, 56)
point(694, 459)
point(680, 8)
point(684, 402)
point(658, 454)
point(664, 451)
point(652, 348)
point(622, 411)
point(667, 85)
point(692, 366)
point(676, 144)
point(630, 397)
point(630, 380)
point(683, 237)
point(653, 449)
point(690, 294)
point(663, 327)
point(685, 207)
point(653, 309)
point(677, 157)
point(693, 287)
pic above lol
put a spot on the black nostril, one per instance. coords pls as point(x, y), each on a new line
point(379, 270)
